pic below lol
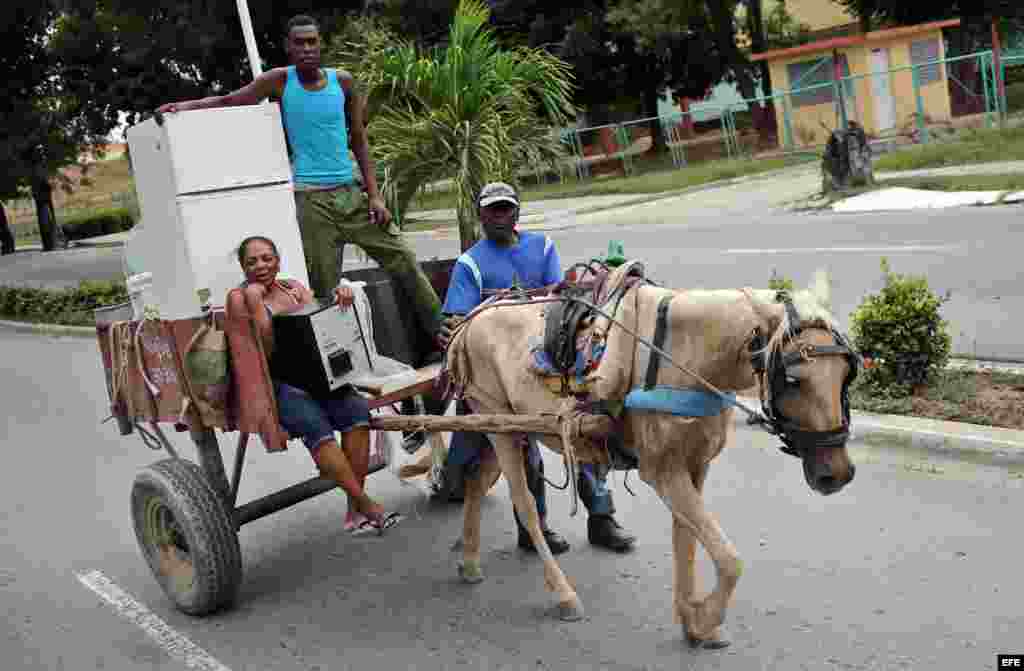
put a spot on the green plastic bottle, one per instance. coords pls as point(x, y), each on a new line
point(616, 255)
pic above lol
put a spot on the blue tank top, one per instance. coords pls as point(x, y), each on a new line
point(317, 134)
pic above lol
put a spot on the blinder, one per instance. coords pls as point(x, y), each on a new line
point(777, 381)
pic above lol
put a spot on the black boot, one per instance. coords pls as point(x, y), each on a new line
point(604, 531)
point(556, 543)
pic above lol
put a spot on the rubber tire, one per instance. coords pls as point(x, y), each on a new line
point(181, 488)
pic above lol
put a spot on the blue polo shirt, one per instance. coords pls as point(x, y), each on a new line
point(486, 266)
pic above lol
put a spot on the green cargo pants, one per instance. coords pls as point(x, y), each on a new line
point(330, 219)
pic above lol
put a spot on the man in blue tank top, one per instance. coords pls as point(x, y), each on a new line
point(322, 112)
point(505, 257)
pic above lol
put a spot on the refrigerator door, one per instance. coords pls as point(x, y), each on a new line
point(214, 224)
point(210, 150)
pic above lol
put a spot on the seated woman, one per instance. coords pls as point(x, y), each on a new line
point(314, 419)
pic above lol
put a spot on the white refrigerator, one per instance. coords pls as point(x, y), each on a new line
point(206, 180)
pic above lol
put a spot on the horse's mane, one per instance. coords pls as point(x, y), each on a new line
point(812, 306)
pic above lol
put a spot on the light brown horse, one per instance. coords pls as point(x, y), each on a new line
point(719, 336)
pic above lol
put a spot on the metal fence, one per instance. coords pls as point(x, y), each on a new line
point(907, 104)
point(1013, 75)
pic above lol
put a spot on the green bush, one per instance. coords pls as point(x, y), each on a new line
point(780, 284)
point(98, 222)
point(901, 332)
point(67, 306)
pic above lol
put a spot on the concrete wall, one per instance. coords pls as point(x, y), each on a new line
point(812, 124)
point(807, 122)
point(935, 96)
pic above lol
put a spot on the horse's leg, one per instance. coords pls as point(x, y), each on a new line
point(510, 456)
point(475, 490)
point(685, 585)
point(701, 618)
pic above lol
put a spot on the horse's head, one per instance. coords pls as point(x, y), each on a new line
point(805, 367)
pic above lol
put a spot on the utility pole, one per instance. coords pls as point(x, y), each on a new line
point(250, 38)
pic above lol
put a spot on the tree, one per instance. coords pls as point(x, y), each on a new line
point(625, 53)
point(139, 54)
point(424, 22)
point(976, 15)
point(468, 110)
point(44, 124)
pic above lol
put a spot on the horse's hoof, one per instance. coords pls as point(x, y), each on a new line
point(708, 643)
point(570, 611)
point(470, 572)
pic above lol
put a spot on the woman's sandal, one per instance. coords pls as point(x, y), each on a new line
point(380, 522)
point(353, 521)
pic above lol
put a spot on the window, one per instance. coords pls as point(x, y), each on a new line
point(925, 51)
point(813, 73)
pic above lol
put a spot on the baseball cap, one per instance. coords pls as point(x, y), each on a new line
point(497, 192)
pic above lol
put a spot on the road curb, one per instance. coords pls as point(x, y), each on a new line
point(948, 439)
point(48, 329)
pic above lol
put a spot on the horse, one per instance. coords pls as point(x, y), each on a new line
point(722, 340)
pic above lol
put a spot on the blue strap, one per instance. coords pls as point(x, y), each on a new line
point(679, 402)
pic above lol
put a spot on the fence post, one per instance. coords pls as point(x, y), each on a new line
point(983, 66)
point(733, 132)
point(787, 121)
point(582, 170)
point(622, 136)
point(922, 127)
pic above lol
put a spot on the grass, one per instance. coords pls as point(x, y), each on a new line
point(951, 396)
point(102, 187)
point(959, 183)
point(649, 182)
point(966, 147)
point(1015, 98)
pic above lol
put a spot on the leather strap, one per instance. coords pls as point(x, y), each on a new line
point(660, 329)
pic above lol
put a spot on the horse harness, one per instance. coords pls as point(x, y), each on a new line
point(776, 381)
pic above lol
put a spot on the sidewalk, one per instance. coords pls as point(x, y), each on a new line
point(900, 198)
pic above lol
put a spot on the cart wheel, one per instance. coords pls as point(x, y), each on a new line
point(186, 536)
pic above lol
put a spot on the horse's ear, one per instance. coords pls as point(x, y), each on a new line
point(821, 288)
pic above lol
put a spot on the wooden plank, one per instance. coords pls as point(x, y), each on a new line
point(388, 393)
point(593, 426)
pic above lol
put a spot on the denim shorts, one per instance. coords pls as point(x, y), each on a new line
point(315, 420)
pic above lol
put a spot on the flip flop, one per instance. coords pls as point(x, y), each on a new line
point(365, 527)
point(353, 521)
point(380, 522)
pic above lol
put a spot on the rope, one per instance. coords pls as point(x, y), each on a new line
point(756, 417)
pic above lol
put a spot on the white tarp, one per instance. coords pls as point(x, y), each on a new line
point(900, 198)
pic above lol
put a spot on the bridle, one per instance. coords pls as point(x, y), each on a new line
point(776, 381)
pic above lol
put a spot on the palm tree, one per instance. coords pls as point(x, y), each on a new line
point(469, 110)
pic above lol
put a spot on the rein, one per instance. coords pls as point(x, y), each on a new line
point(795, 439)
point(755, 416)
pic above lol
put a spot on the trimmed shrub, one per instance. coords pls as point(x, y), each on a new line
point(67, 306)
point(780, 283)
point(901, 334)
point(97, 223)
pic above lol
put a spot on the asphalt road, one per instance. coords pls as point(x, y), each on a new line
point(738, 235)
point(916, 565)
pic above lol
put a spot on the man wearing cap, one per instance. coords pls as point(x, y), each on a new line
point(507, 257)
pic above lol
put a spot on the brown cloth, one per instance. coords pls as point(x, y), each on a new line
point(147, 378)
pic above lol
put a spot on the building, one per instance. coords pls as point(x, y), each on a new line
point(879, 90)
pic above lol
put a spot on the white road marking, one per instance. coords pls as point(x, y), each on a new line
point(853, 250)
point(174, 644)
